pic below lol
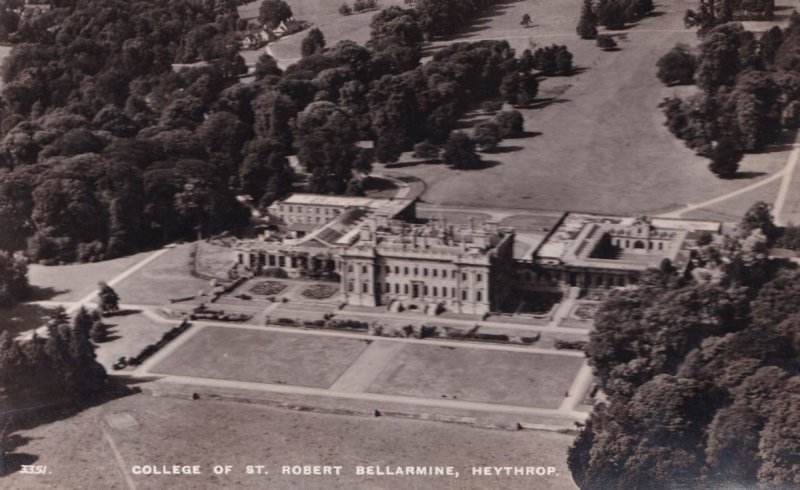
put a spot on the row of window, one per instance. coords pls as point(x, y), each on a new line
point(325, 211)
point(415, 271)
point(419, 290)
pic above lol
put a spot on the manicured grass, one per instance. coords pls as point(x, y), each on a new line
point(513, 378)
point(263, 357)
point(215, 260)
point(168, 276)
point(72, 282)
point(163, 430)
point(128, 335)
point(599, 144)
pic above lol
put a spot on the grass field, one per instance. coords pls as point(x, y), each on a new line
point(263, 357)
point(155, 431)
point(72, 282)
point(513, 378)
point(168, 276)
point(128, 335)
point(598, 142)
point(324, 15)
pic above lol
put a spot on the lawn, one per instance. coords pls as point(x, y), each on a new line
point(72, 282)
point(162, 430)
point(324, 15)
point(263, 357)
point(514, 378)
point(168, 276)
point(597, 143)
point(128, 335)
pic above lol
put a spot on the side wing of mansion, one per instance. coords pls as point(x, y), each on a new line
point(382, 254)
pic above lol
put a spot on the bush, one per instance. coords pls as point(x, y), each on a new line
point(426, 150)
point(510, 124)
point(553, 60)
point(487, 136)
point(606, 42)
point(459, 151)
point(491, 105)
point(677, 67)
point(345, 9)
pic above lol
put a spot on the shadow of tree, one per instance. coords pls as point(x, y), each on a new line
point(25, 316)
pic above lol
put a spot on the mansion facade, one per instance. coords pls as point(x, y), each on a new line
point(383, 255)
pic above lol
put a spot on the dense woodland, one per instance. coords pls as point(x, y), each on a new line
point(702, 373)
point(106, 147)
point(750, 88)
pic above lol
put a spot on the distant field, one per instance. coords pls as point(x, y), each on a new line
point(324, 15)
point(514, 378)
point(157, 430)
point(263, 357)
point(600, 144)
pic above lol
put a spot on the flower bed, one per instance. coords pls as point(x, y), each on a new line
point(585, 311)
point(320, 291)
point(268, 288)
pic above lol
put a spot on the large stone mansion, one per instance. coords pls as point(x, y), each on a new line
point(382, 254)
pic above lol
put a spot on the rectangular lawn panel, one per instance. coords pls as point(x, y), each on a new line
point(263, 357)
point(481, 375)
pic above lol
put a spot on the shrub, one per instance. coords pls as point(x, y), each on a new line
point(360, 5)
point(677, 67)
point(491, 105)
point(487, 135)
point(426, 150)
point(459, 151)
point(345, 9)
point(606, 42)
point(510, 124)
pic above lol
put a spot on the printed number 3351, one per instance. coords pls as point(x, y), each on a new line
point(33, 469)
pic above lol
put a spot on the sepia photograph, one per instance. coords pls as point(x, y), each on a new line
point(400, 244)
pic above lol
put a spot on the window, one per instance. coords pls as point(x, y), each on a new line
point(291, 209)
point(444, 273)
point(661, 245)
point(405, 270)
point(435, 272)
point(365, 287)
point(350, 287)
point(364, 269)
point(388, 269)
point(478, 278)
point(416, 271)
point(405, 289)
point(463, 276)
point(435, 290)
point(386, 287)
point(281, 261)
point(425, 272)
point(349, 267)
point(478, 296)
point(453, 292)
point(396, 288)
point(424, 290)
point(464, 295)
point(396, 270)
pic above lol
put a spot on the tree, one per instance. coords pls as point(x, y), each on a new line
point(677, 67)
point(459, 151)
point(487, 136)
point(313, 43)
point(606, 42)
point(109, 300)
point(13, 279)
point(345, 9)
point(266, 66)
point(611, 13)
point(526, 21)
point(99, 332)
point(553, 60)
point(759, 217)
point(519, 89)
point(725, 158)
point(510, 124)
point(273, 12)
point(426, 150)
point(587, 25)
